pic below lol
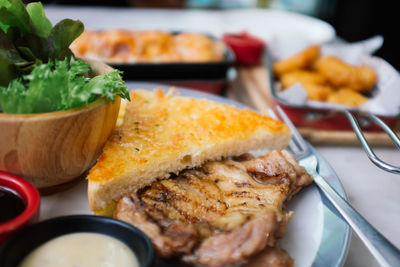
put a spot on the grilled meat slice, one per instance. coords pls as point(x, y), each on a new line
point(219, 214)
point(234, 247)
point(275, 256)
point(177, 238)
point(228, 193)
point(275, 167)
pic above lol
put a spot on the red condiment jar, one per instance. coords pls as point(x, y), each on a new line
point(248, 49)
point(31, 197)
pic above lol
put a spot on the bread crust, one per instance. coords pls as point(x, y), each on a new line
point(163, 134)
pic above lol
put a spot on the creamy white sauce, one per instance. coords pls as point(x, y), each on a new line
point(81, 250)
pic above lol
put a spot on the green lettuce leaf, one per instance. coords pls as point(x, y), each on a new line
point(38, 70)
point(14, 14)
point(12, 65)
point(41, 24)
point(8, 71)
point(59, 86)
point(62, 36)
point(33, 38)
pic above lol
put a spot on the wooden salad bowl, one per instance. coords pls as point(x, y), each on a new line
point(53, 149)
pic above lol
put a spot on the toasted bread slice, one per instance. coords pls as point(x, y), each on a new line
point(163, 134)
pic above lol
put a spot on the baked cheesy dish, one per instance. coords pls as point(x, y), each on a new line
point(122, 46)
point(178, 170)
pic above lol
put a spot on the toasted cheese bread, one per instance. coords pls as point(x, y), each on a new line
point(163, 134)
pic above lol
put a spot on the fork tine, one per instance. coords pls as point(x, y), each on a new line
point(293, 147)
point(296, 135)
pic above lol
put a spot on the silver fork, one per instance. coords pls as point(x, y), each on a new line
point(385, 252)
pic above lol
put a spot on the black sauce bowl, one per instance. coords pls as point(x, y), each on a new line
point(18, 246)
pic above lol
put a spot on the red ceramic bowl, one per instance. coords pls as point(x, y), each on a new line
point(248, 49)
point(32, 200)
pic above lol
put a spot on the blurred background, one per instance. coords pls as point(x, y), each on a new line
point(353, 20)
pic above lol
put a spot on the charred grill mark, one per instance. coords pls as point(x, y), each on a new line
point(171, 199)
point(239, 194)
point(204, 186)
point(194, 218)
point(163, 198)
point(172, 205)
point(164, 194)
point(189, 217)
point(243, 184)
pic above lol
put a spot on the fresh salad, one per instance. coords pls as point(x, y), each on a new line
point(38, 71)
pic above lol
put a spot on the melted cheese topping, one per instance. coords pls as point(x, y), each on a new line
point(159, 126)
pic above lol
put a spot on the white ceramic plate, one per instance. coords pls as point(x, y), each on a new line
point(315, 236)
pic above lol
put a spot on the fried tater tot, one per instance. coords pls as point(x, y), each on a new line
point(317, 92)
point(301, 60)
point(302, 76)
point(348, 97)
point(341, 74)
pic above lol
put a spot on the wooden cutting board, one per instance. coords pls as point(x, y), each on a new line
point(252, 87)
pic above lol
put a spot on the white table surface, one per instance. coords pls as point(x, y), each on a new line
point(373, 192)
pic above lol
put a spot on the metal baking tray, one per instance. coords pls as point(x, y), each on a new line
point(175, 71)
point(211, 86)
point(178, 70)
